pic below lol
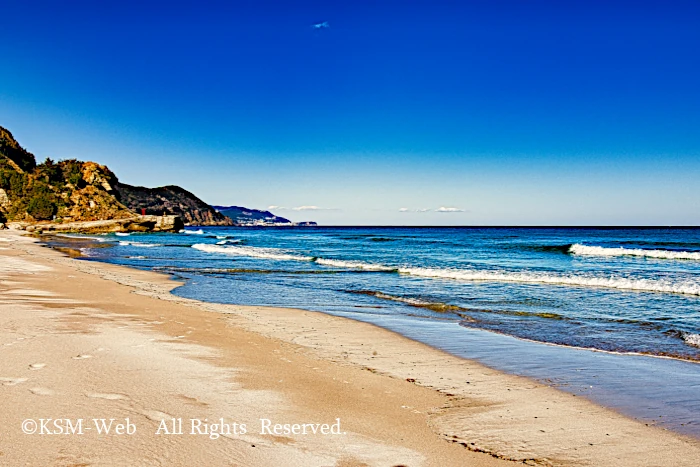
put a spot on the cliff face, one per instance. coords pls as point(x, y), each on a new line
point(74, 191)
point(170, 200)
point(16, 155)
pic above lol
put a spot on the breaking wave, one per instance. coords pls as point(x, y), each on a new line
point(687, 287)
point(354, 265)
point(139, 244)
point(620, 283)
point(224, 242)
point(691, 339)
point(273, 253)
point(255, 252)
point(84, 237)
point(192, 232)
point(585, 250)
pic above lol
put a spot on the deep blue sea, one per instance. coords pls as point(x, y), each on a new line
point(494, 294)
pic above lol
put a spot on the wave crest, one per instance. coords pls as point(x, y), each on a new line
point(620, 283)
point(691, 339)
point(139, 244)
point(255, 252)
point(354, 265)
point(586, 250)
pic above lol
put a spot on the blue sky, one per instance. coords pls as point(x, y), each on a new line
point(508, 112)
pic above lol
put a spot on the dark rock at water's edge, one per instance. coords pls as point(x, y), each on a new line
point(170, 200)
point(246, 216)
point(133, 224)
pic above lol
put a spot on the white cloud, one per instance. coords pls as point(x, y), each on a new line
point(413, 210)
point(313, 208)
point(444, 209)
point(323, 25)
point(278, 208)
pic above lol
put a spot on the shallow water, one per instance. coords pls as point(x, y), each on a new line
point(628, 291)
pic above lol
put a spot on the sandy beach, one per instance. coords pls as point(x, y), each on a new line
point(192, 383)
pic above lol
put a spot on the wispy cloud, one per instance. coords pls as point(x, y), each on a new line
point(313, 208)
point(323, 25)
point(300, 208)
point(414, 210)
point(444, 209)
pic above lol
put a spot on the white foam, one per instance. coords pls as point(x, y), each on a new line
point(621, 283)
point(192, 232)
point(139, 244)
point(585, 250)
point(255, 252)
point(353, 265)
point(83, 237)
point(692, 339)
point(273, 253)
point(224, 242)
point(122, 234)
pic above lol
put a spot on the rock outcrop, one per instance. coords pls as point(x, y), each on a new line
point(132, 224)
point(172, 200)
point(18, 158)
point(71, 192)
point(67, 193)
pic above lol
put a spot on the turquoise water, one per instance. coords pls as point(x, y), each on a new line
point(494, 294)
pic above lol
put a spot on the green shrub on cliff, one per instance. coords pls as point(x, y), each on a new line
point(73, 172)
point(42, 205)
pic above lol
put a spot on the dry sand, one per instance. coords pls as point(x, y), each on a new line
point(85, 340)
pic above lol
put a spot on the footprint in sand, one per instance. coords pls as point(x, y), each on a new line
point(11, 381)
point(109, 396)
point(155, 415)
point(37, 366)
point(41, 391)
point(82, 357)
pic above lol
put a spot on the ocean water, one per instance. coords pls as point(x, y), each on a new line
point(627, 296)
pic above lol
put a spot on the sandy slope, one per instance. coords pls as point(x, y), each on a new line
point(88, 340)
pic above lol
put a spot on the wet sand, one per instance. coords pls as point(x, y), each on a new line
point(85, 340)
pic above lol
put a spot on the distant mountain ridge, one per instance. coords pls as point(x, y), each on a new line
point(242, 215)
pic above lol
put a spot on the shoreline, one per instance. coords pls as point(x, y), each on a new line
point(484, 410)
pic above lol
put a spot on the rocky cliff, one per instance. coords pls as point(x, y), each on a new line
point(170, 200)
point(17, 157)
point(69, 190)
point(73, 191)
